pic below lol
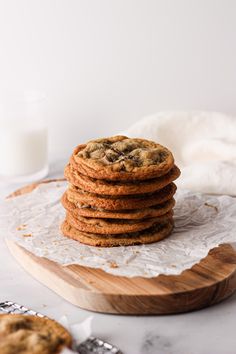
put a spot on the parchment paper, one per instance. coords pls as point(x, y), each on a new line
point(201, 223)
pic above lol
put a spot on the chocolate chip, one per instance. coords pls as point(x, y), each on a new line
point(111, 155)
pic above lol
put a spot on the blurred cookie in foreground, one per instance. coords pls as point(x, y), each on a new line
point(23, 334)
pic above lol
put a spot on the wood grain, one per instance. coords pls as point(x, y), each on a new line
point(205, 284)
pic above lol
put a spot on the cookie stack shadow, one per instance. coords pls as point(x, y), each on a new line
point(119, 193)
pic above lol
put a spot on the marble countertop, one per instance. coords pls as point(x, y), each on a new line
point(207, 331)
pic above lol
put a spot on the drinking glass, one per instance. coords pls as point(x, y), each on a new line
point(23, 136)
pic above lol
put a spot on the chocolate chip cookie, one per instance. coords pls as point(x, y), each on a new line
point(23, 334)
point(107, 187)
point(82, 199)
point(93, 212)
point(114, 226)
point(153, 234)
point(123, 159)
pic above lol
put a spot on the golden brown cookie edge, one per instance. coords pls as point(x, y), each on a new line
point(68, 231)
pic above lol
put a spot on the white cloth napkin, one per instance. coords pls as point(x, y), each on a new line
point(203, 144)
point(79, 331)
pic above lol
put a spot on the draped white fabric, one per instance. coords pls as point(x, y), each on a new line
point(203, 143)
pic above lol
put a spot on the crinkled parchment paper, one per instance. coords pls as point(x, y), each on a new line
point(202, 223)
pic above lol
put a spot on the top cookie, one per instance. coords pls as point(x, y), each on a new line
point(122, 158)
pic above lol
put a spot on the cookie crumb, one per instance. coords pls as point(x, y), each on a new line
point(113, 264)
point(212, 206)
point(27, 235)
point(21, 227)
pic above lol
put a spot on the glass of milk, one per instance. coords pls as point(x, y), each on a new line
point(23, 137)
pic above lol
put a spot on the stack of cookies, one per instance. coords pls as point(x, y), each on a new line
point(120, 192)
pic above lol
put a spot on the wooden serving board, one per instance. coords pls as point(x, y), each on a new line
point(205, 284)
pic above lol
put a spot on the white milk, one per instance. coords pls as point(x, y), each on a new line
point(22, 151)
point(23, 136)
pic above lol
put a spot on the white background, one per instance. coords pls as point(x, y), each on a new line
point(103, 64)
